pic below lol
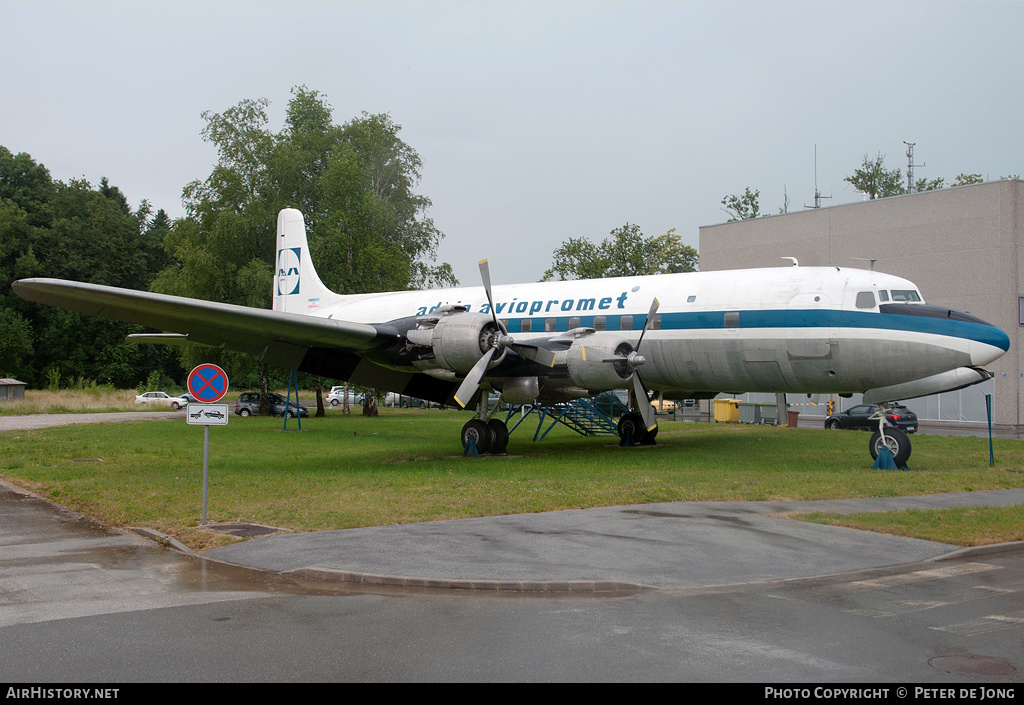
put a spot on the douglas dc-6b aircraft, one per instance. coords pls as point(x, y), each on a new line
point(790, 329)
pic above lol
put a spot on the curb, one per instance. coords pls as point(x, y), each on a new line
point(163, 539)
point(575, 587)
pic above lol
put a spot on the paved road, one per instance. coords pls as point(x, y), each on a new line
point(30, 422)
point(677, 544)
point(677, 591)
point(82, 603)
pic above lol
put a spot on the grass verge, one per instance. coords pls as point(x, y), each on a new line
point(960, 526)
point(406, 466)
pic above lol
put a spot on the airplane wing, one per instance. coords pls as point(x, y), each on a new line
point(258, 331)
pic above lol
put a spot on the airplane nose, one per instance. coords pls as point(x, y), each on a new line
point(992, 345)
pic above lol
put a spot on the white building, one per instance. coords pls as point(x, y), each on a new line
point(962, 246)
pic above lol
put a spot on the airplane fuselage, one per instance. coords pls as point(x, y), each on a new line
point(788, 329)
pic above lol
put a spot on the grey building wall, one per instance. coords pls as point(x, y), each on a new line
point(961, 246)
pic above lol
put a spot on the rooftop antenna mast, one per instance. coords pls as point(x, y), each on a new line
point(817, 194)
point(911, 165)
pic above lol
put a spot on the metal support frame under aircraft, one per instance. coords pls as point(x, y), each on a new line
point(786, 329)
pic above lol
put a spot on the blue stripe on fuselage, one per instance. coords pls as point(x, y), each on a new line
point(803, 318)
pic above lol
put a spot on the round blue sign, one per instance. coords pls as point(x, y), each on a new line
point(207, 383)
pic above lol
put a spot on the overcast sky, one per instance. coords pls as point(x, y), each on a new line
point(535, 121)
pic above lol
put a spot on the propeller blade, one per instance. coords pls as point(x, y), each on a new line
point(472, 382)
point(542, 356)
point(485, 277)
point(649, 322)
point(644, 403)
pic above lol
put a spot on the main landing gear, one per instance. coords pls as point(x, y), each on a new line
point(633, 431)
point(488, 435)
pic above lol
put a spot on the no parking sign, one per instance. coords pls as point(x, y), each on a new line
point(207, 383)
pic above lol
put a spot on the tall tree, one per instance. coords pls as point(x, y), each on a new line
point(743, 207)
point(874, 179)
point(628, 252)
point(71, 231)
point(967, 179)
point(367, 228)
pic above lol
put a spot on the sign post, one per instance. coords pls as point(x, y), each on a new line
point(208, 384)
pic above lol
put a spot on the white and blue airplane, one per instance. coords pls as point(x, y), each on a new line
point(788, 329)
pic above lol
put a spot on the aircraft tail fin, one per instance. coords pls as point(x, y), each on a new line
point(297, 286)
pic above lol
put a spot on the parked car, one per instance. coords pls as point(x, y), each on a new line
point(663, 406)
point(188, 398)
point(407, 402)
point(248, 404)
point(161, 399)
point(336, 397)
point(860, 417)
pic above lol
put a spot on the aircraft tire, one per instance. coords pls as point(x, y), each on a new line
point(481, 434)
point(898, 442)
point(632, 424)
point(499, 431)
point(651, 435)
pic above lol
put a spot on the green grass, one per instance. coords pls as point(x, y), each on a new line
point(406, 466)
point(960, 526)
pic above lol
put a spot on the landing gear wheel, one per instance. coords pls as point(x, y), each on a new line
point(898, 442)
point(499, 431)
point(632, 425)
point(480, 433)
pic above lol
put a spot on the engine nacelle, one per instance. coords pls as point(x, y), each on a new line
point(586, 361)
point(459, 340)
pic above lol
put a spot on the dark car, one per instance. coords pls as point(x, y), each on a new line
point(860, 417)
point(248, 404)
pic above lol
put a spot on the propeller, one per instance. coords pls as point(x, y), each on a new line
point(499, 340)
point(634, 359)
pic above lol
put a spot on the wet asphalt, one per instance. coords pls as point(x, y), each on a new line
point(668, 545)
point(636, 547)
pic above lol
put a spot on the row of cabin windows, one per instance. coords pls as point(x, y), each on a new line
point(600, 323)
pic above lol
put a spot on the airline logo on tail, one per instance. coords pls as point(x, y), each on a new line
point(288, 271)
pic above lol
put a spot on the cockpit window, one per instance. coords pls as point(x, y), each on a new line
point(905, 295)
point(865, 299)
point(883, 296)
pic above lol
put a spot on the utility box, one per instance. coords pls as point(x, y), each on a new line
point(750, 413)
point(727, 410)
